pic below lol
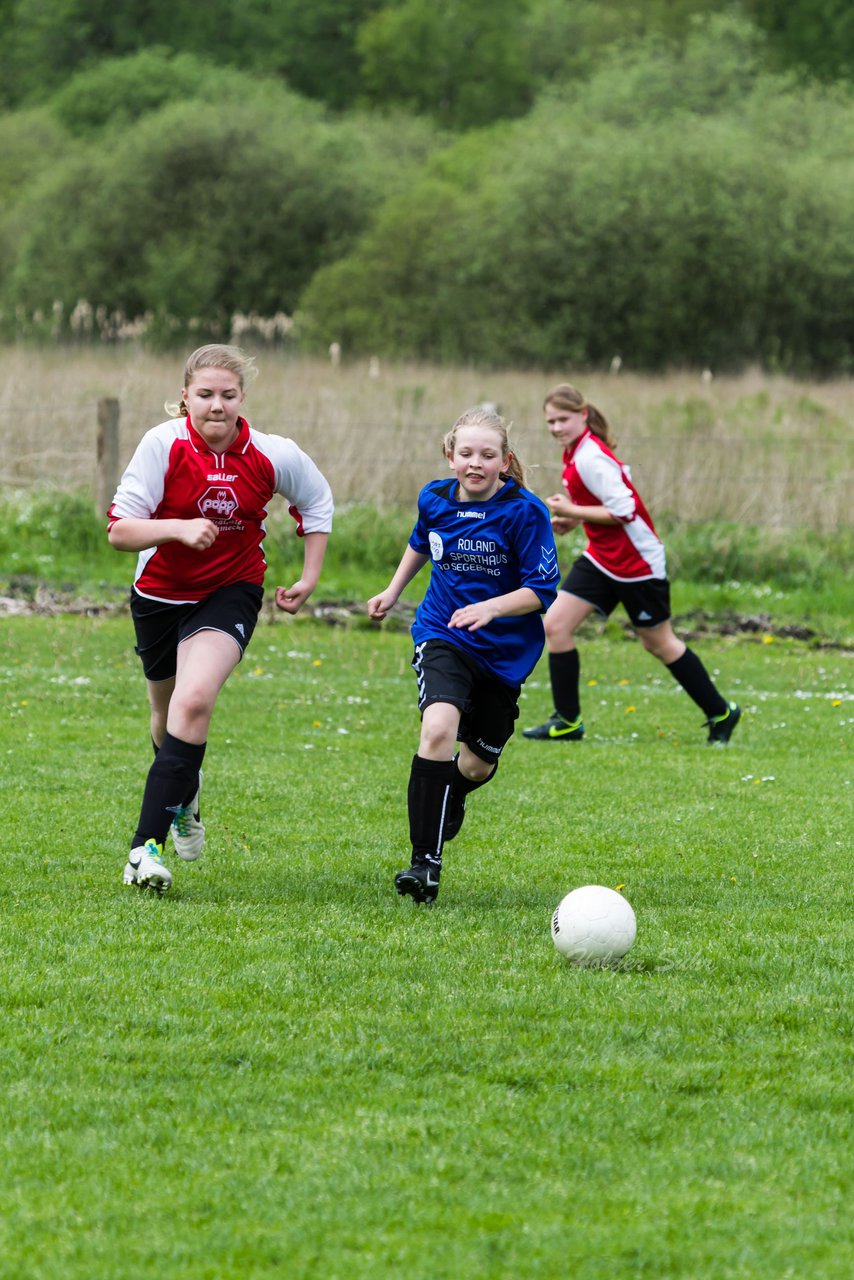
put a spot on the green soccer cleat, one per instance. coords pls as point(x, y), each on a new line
point(721, 727)
point(556, 729)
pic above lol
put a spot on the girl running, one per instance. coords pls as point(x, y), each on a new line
point(192, 503)
point(478, 631)
point(623, 563)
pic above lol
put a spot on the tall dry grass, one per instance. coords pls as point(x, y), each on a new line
point(762, 449)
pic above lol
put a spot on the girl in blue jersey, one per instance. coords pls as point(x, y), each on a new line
point(478, 631)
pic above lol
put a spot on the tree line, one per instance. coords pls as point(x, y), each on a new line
point(505, 181)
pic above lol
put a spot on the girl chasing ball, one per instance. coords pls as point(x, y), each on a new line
point(478, 632)
point(192, 504)
point(623, 563)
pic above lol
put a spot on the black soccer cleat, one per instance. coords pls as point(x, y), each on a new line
point(421, 883)
point(721, 727)
point(556, 729)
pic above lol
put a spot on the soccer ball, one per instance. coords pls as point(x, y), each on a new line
point(593, 924)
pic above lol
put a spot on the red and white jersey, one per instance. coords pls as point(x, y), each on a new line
point(593, 476)
point(174, 475)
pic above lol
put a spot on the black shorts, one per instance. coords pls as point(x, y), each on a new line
point(488, 707)
point(647, 601)
point(161, 626)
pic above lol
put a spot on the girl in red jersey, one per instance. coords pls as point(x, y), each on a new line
point(623, 563)
point(192, 504)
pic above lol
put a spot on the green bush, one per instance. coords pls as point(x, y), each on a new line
point(198, 212)
point(658, 212)
point(115, 92)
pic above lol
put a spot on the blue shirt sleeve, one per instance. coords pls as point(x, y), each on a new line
point(535, 547)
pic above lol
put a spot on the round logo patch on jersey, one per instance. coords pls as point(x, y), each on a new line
point(437, 547)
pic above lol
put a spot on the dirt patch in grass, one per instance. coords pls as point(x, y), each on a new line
point(26, 596)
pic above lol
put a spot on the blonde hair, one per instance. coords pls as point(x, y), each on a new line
point(215, 355)
point(569, 398)
point(494, 422)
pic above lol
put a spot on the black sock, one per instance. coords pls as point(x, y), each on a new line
point(173, 775)
point(564, 671)
point(428, 796)
point(697, 683)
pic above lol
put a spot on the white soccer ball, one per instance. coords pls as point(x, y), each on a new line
point(593, 924)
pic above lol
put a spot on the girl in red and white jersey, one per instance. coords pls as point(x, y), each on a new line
point(623, 563)
point(192, 503)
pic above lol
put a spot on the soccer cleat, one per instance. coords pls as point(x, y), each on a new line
point(145, 868)
point(420, 882)
point(188, 831)
point(556, 729)
point(721, 727)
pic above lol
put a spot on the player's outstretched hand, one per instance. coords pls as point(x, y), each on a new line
point(198, 534)
point(473, 616)
point(291, 599)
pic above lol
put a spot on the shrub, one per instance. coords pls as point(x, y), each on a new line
point(196, 212)
point(665, 222)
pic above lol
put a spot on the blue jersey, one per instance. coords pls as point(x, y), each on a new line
point(480, 550)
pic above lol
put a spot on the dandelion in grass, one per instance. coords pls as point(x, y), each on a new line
point(317, 663)
point(629, 710)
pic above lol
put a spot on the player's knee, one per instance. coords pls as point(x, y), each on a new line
point(189, 715)
point(480, 770)
point(437, 742)
point(558, 630)
point(475, 768)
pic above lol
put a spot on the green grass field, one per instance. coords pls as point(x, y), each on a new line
point(282, 1069)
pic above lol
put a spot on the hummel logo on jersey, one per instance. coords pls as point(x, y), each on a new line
point(471, 515)
point(238, 626)
point(548, 565)
point(643, 616)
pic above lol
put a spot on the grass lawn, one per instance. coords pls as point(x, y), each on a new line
point(282, 1069)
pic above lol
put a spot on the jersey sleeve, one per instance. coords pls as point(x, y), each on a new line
point(536, 550)
point(140, 490)
point(419, 538)
point(603, 477)
point(302, 484)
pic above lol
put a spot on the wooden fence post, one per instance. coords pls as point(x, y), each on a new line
point(108, 454)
